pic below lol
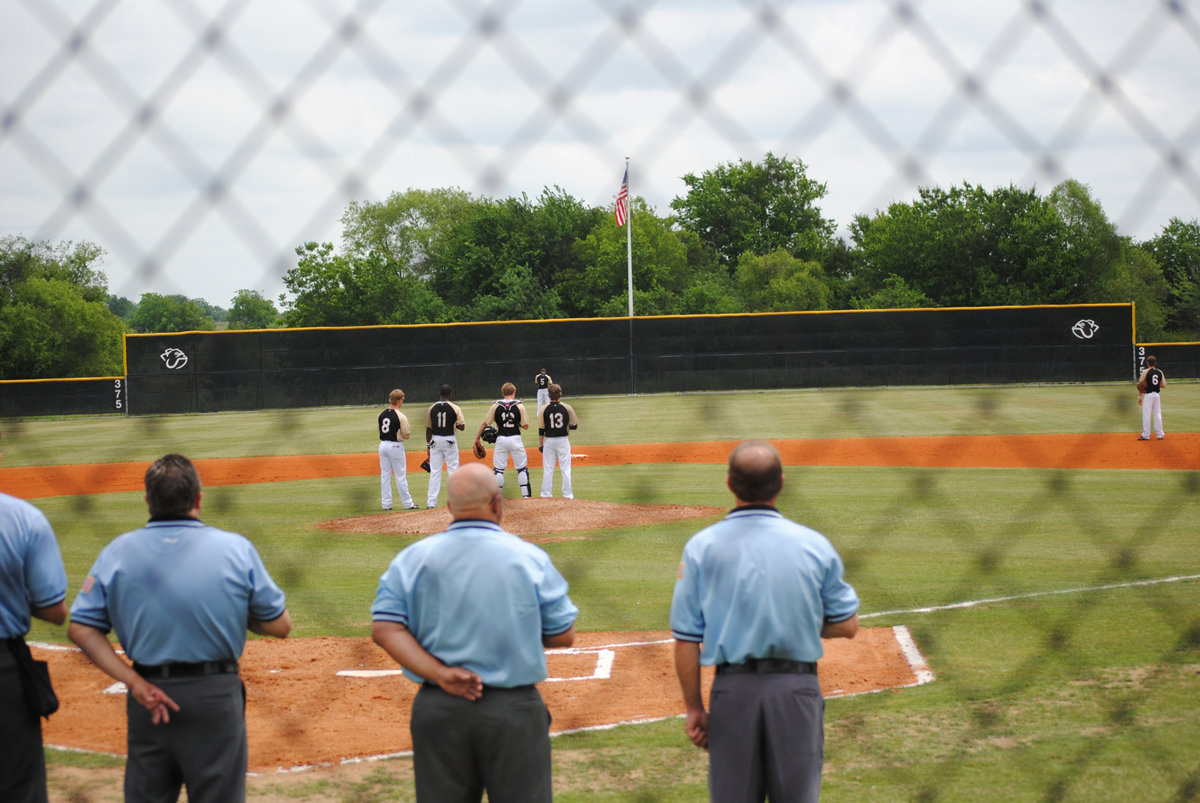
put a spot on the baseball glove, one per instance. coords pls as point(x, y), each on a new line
point(1142, 386)
point(480, 452)
point(490, 433)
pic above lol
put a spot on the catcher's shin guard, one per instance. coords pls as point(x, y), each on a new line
point(499, 472)
point(523, 479)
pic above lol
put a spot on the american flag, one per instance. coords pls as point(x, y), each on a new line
point(622, 210)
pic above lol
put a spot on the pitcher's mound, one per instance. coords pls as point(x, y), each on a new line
point(529, 517)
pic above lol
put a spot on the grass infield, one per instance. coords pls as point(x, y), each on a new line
point(1088, 695)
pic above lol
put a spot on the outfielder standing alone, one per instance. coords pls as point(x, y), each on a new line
point(441, 419)
point(1150, 385)
point(554, 421)
point(509, 416)
point(542, 383)
point(393, 432)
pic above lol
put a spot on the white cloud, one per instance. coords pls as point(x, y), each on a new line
point(489, 126)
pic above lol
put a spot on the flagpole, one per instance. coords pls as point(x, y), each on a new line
point(629, 246)
point(629, 276)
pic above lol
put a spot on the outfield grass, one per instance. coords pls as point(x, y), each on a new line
point(1090, 694)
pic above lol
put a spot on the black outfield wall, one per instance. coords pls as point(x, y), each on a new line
point(1177, 360)
point(54, 397)
point(213, 371)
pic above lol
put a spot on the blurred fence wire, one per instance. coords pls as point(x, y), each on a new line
point(107, 113)
point(198, 133)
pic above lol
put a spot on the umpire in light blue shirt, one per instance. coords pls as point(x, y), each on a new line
point(33, 583)
point(467, 613)
point(180, 595)
point(755, 595)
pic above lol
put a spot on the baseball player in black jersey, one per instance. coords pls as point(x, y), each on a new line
point(554, 421)
point(393, 432)
point(441, 419)
point(1150, 385)
point(542, 382)
point(509, 416)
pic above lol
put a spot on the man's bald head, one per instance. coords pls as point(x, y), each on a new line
point(755, 472)
point(473, 493)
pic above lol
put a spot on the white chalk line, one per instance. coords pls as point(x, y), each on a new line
point(1032, 595)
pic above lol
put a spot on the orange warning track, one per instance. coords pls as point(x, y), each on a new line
point(1180, 452)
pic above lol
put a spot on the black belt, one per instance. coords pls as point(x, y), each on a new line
point(186, 670)
point(769, 666)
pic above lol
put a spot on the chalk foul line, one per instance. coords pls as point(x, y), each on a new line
point(1033, 594)
point(602, 670)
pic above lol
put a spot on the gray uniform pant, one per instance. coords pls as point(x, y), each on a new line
point(766, 736)
point(22, 759)
point(203, 747)
point(500, 742)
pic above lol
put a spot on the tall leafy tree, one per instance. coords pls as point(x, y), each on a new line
point(332, 289)
point(778, 282)
point(54, 319)
point(122, 307)
point(1177, 251)
point(672, 272)
point(741, 207)
point(249, 310)
point(492, 241)
point(171, 313)
point(559, 221)
point(406, 230)
point(968, 246)
point(1095, 247)
point(1137, 277)
point(894, 294)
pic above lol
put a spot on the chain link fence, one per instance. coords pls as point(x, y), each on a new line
point(200, 139)
point(106, 134)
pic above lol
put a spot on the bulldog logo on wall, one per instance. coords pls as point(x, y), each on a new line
point(1084, 329)
point(173, 359)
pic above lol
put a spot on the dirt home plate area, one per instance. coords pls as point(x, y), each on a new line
point(325, 701)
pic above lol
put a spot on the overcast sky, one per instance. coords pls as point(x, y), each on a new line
point(199, 142)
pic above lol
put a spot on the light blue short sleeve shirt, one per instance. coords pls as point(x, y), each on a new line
point(756, 585)
point(31, 567)
point(480, 598)
point(178, 590)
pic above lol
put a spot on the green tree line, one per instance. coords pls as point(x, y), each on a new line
point(743, 237)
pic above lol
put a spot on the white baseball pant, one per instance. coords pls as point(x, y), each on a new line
point(443, 452)
point(1152, 412)
point(506, 446)
point(556, 451)
point(392, 463)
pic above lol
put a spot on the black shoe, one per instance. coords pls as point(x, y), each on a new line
point(1140, 438)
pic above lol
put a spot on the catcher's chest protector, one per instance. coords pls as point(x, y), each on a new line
point(508, 417)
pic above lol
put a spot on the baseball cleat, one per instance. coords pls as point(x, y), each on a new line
point(1142, 438)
